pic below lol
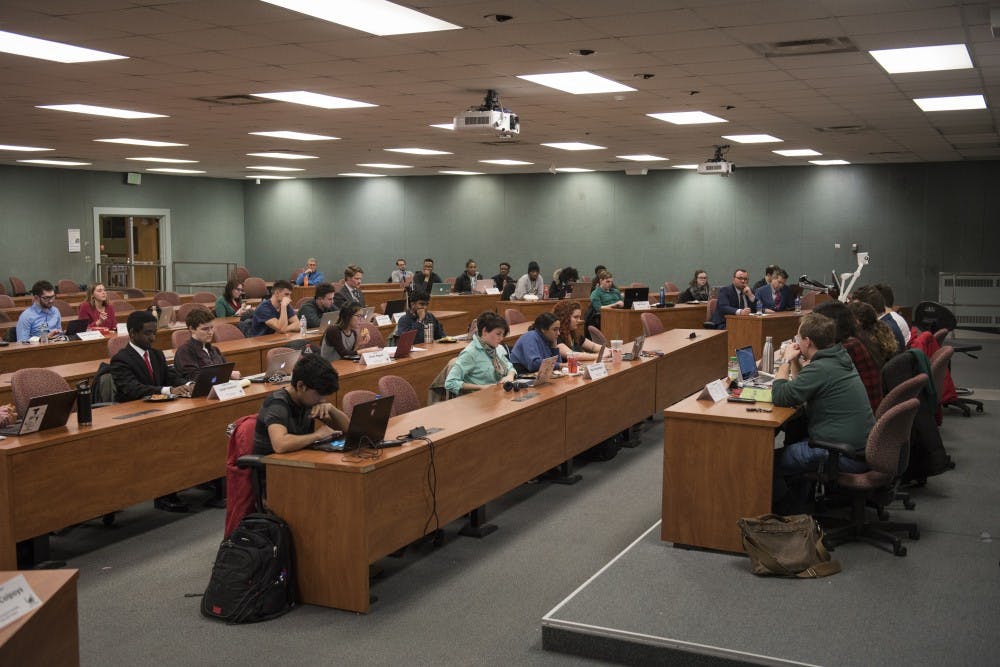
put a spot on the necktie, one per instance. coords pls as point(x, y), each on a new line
point(777, 300)
point(149, 366)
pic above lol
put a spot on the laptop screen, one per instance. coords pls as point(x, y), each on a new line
point(748, 363)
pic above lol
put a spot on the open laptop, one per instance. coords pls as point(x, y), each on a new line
point(636, 349)
point(366, 428)
point(440, 289)
point(632, 294)
point(166, 318)
point(43, 413)
point(395, 306)
point(209, 376)
point(544, 375)
point(327, 320)
point(367, 312)
point(279, 367)
point(748, 368)
point(404, 343)
point(73, 327)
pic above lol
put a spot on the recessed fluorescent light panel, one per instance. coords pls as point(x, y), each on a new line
point(751, 138)
point(507, 163)
point(377, 17)
point(418, 151)
point(314, 99)
point(25, 149)
point(574, 146)
point(384, 165)
point(572, 170)
point(828, 163)
point(360, 174)
point(270, 177)
point(165, 160)
point(101, 111)
point(923, 58)
point(578, 83)
point(174, 170)
point(444, 126)
point(685, 166)
point(456, 172)
point(956, 103)
point(33, 47)
point(140, 142)
point(687, 117)
point(281, 155)
point(58, 163)
point(294, 136)
point(642, 158)
point(267, 167)
point(798, 152)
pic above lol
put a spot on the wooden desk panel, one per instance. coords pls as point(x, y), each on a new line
point(717, 468)
point(532, 309)
point(473, 304)
point(621, 324)
point(50, 634)
point(690, 363)
point(610, 405)
point(752, 330)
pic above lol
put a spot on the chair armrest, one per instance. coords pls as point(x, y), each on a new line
point(841, 448)
point(255, 461)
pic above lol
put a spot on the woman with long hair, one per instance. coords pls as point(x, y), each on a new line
point(96, 309)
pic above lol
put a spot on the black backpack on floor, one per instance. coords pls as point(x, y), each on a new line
point(252, 576)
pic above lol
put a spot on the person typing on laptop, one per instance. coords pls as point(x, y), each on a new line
point(605, 294)
point(40, 314)
point(541, 342)
point(483, 363)
point(418, 317)
point(198, 351)
point(347, 337)
point(314, 308)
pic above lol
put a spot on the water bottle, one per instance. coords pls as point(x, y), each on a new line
point(798, 304)
point(428, 332)
point(83, 416)
point(43, 333)
point(760, 307)
point(472, 284)
point(663, 296)
point(767, 357)
point(302, 325)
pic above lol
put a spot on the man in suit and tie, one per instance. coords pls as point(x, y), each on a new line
point(734, 299)
point(775, 296)
point(139, 371)
point(351, 291)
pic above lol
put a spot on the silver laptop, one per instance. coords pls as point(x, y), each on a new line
point(749, 372)
point(166, 318)
point(544, 375)
point(279, 367)
point(636, 349)
point(328, 320)
point(439, 289)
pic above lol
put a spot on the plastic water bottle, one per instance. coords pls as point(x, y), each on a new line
point(798, 304)
point(760, 307)
point(302, 325)
point(43, 333)
point(663, 296)
point(767, 356)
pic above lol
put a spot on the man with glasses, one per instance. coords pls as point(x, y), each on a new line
point(311, 276)
point(40, 314)
point(734, 299)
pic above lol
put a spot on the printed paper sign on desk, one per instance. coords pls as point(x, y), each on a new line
point(383, 320)
point(16, 599)
point(640, 305)
point(227, 390)
point(595, 371)
point(90, 335)
point(375, 358)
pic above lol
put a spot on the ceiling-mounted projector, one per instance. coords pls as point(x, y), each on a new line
point(489, 117)
point(717, 165)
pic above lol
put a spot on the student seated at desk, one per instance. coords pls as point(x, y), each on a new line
point(351, 291)
point(483, 363)
point(560, 287)
point(275, 315)
point(96, 309)
point(230, 304)
point(775, 296)
point(322, 302)
point(468, 281)
point(348, 336)
point(537, 345)
point(417, 317)
point(530, 284)
point(40, 313)
point(287, 420)
point(605, 294)
point(698, 289)
point(570, 340)
point(198, 351)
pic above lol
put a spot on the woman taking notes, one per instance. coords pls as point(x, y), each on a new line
point(539, 343)
point(96, 310)
point(483, 363)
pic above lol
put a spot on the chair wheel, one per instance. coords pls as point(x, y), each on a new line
point(914, 534)
point(979, 408)
point(108, 519)
point(898, 550)
point(909, 504)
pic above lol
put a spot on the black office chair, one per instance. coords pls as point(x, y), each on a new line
point(932, 317)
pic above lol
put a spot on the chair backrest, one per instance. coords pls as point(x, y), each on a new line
point(167, 298)
point(64, 308)
point(670, 287)
point(450, 280)
point(298, 304)
point(241, 273)
point(295, 274)
point(254, 288)
point(713, 303)
point(133, 292)
point(227, 331)
point(181, 313)
point(940, 336)
point(888, 442)
point(27, 383)
point(203, 297)
point(3, 290)
point(633, 285)
point(122, 307)
point(4, 317)
point(903, 391)
point(179, 337)
point(808, 301)
point(939, 367)
point(17, 287)
point(597, 336)
point(116, 344)
point(7, 302)
point(651, 324)
point(513, 316)
point(405, 396)
point(67, 286)
point(239, 484)
point(376, 339)
point(114, 296)
point(355, 397)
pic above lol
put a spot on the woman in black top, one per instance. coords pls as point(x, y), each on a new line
point(698, 289)
point(347, 336)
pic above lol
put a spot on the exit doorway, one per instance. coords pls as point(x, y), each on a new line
point(133, 248)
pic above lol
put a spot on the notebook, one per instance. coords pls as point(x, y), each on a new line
point(43, 412)
point(209, 376)
point(748, 368)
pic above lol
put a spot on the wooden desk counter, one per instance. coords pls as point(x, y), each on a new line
point(621, 324)
point(50, 634)
point(132, 452)
point(532, 309)
point(474, 304)
point(717, 467)
point(753, 330)
point(352, 512)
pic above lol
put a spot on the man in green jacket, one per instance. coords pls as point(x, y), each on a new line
point(836, 405)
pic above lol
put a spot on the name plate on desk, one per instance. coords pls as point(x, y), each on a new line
point(714, 391)
point(375, 358)
point(227, 390)
point(640, 305)
point(122, 329)
point(90, 335)
point(382, 320)
point(16, 599)
point(492, 290)
point(595, 371)
point(396, 317)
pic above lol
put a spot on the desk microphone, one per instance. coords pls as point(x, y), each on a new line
point(692, 335)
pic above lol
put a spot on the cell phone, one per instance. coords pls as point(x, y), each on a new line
point(737, 399)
